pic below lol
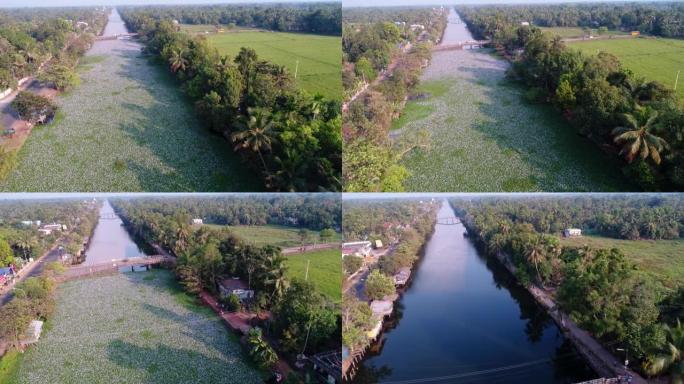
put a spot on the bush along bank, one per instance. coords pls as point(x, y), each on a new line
point(640, 121)
point(290, 138)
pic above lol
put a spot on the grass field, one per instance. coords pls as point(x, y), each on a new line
point(653, 59)
point(279, 235)
point(662, 260)
point(484, 137)
point(127, 127)
point(324, 270)
point(134, 328)
point(570, 32)
point(319, 57)
point(9, 367)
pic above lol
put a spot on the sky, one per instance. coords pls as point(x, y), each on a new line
point(61, 3)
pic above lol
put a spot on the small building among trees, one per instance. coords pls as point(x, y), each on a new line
point(572, 232)
point(235, 286)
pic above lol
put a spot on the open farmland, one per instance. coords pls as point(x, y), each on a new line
point(324, 270)
point(134, 328)
point(485, 137)
point(661, 260)
point(653, 58)
point(126, 127)
point(319, 56)
point(278, 235)
point(572, 32)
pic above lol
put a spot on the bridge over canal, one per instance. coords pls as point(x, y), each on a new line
point(468, 44)
point(113, 266)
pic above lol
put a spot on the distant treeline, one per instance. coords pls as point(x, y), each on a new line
point(641, 121)
point(660, 19)
point(292, 139)
point(319, 18)
point(29, 37)
point(313, 211)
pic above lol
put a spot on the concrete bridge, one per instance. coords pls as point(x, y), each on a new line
point(468, 44)
point(113, 266)
point(119, 36)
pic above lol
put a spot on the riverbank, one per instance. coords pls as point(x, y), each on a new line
point(484, 136)
point(149, 331)
point(126, 127)
point(596, 355)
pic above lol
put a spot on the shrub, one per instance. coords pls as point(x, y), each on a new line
point(259, 349)
point(352, 264)
point(232, 302)
point(34, 108)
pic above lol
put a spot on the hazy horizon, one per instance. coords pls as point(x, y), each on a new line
point(404, 3)
point(82, 3)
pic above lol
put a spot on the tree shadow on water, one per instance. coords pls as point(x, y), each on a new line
point(561, 159)
point(186, 155)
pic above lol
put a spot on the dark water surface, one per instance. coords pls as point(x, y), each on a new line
point(465, 320)
point(110, 240)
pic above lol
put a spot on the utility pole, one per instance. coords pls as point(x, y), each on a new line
point(306, 275)
point(296, 69)
point(676, 80)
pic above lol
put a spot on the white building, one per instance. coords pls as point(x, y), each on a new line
point(235, 286)
point(572, 232)
point(525, 23)
point(357, 248)
point(197, 221)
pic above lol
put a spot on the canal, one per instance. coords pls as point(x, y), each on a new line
point(463, 319)
point(110, 240)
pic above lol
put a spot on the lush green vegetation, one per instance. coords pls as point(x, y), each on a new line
point(653, 59)
point(279, 235)
point(324, 270)
point(602, 289)
point(290, 138)
point(638, 120)
point(135, 326)
point(320, 18)
point(315, 58)
point(662, 260)
point(9, 367)
point(206, 255)
point(376, 48)
point(31, 37)
point(655, 18)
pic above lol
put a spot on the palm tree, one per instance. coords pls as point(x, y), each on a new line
point(177, 61)
point(259, 349)
point(535, 254)
point(670, 358)
point(255, 133)
point(274, 268)
point(637, 137)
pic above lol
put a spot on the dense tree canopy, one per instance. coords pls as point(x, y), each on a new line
point(292, 139)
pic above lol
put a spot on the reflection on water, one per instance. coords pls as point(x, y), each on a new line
point(115, 25)
point(110, 240)
point(456, 30)
point(465, 318)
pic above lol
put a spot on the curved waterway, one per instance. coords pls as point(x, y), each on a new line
point(464, 320)
point(110, 240)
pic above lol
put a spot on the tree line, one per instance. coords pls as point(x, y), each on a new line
point(303, 319)
point(601, 289)
point(314, 211)
point(371, 39)
point(292, 139)
point(656, 18)
point(320, 18)
point(30, 37)
point(640, 121)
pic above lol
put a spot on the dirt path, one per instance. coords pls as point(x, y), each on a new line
point(309, 248)
point(9, 119)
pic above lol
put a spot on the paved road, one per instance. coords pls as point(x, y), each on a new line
point(35, 270)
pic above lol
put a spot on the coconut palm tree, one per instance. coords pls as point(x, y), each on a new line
point(274, 268)
point(259, 349)
point(177, 60)
point(638, 138)
point(254, 133)
point(671, 358)
point(535, 254)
